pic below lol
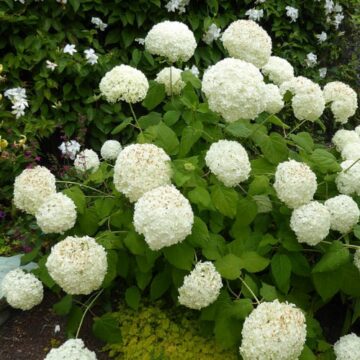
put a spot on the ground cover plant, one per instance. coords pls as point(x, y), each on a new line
point(231, 191)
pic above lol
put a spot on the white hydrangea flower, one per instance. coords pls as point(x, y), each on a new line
point(194, 70)
point(228, 161)
point(140, 168)
point(292, 13)
point(338, 18)
point(273, 100)
point(246, 40)
point(110, 150)
point(351, 151)
point(322, 37)
point(255, 14)
point(344, 213)
point(308, 102)
point(172, 40)
point(32, 187)
point(124, 83)
point(177, 5)
point(164, 216)
point(99, 24)
point(69, 149)
point(343, 100)
point(278, 70)
point(212, 34)
point(357, 130)
point(344, 137)
point(272, 331)
point(91, 57)
point(164, 76)
point(329, 6)
point(311, 223)
point(87, 160)
point(71, 349)
point(77, 264)
point(19, 101)
point(295, 183)
point(338, 8)
point(140, 41)
point(348, 347)
point(348, 180)
point(311, 59)
point(234, 89)
point(69, 49)
point(56, 214)
point(201, 287)
point(323, 72)
point(51, 65)
point(21, 290)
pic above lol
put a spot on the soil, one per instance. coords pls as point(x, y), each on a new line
point(29, 335)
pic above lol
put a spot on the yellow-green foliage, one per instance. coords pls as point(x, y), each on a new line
point(152, 333)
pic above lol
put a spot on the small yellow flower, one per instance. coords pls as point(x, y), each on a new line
point(1, 68)
point(3, 144)
point(22, 142)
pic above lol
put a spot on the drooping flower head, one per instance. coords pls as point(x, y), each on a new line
point(71, 349)
point(278, 70)
point(87, 160)
point(110, 150)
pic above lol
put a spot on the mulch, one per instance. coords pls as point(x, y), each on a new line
point(29, 335)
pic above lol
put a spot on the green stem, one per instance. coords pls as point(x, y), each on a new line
point(88, 307)
point(346, 245)
point(79, 184)
point(295, 128)
point(348, 168)
point(113, 232)
point(135, 118)
point(251, 292)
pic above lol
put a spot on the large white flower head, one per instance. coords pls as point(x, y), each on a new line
point(56, 214)
point(172, 40)
point(311, 223)
point(234, 89)
point(348, 180)
point(344, 213)
point(229, 162)
point(246, 40)
point(21, 290)
point(171, 80)
point(295, 183)
point(308, 102)
point(347, 347)
point(344, 137)
point(351, 151)
point(357, 130)
point(273, 100)
point(343, 100)
point(272, 331)
point(110, 150)
point(201, 287)
point(278, 70)
point(124, 83)
point(140, 168)
point(164, 216)
point(71, 349)
point(77, 264)
point(32, 187)
point(87, 160)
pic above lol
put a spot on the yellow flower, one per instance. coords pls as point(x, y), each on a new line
point(3, 144)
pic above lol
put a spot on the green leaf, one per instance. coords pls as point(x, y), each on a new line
point(273, 147)
point(189, 77)
point(325, 161)
point(241, 308)
point(253, 262)
point(246, 212)
point(104, 207)
point(189, 97)
point(106, 328)
point(199, 234)
point(229, 266)
point(122, 126)
point(164, 137)
point(335, 256)
point(88, 221)
point(225, 200)
point(75, 4)
point(327, 284)
point(268, 292)
point(276, 121)
point(135, 243)
point(281, 271)
point(63, 307)
point(155, 95)
point(241, 129)
point(111, 273)
point(180, 255)
point(307, 354)
point(190, 135)
point(200, 196)
point(172, 117)
point(73, 320)
point(77, 196)
point(159, 285)
point(226, 331)
point(132, 297)
point(304, 140)
point(153, 118)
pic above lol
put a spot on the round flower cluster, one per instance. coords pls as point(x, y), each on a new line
point(345, 137)
point(308, 102)
point(21, 290)
point(273, 100)
point(344, 213)
point(235, 89)
point(71, 349)
point(164, 216)
point(311, 223)
point(278, 70)
point(228, 161)
point(172, 82)
point(172, 40)
point(347, 347)
point(343, 100)
point(87, 160)
point(140, 168)
point(124, 83)
point(32, 187)
point(348, 180)
point(351, 151)
point(77, 264)
point(246, 40)
point(56, 214)
point(201, 287)
point(295, 183)
point(110, 150)
point(273, 330)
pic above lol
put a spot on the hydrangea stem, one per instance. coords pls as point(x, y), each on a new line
point(249, 289)
point(135, 118)
point(295, 128)
point(346, 245)
point(82, 185)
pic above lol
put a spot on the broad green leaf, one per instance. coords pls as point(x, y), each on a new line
point(122, 126)
point(241, 308)
point(180, 255)
point(225, 200)
point(88, 221)
point(199, 234)
point(304, 140)
point(107, 329)
point(132, 297)
point(253, 262)
point(281, 271)
point(325, 161)
point(135, 243)
point(229, 266)
point(276, 121)
point(155, 95)
point(226, 331)
point(159, 285)
point(73, 320)
point(63, 307)
point(200, 196)
point(77, 196)
point(188, 76)
point(190, 135)
point(327, 284)
point(153, 118)
point(241, 129)
point(111, 273)
point(164, 137)
point(104, 207)
point(246, 211)
point(268, 292)
point(273, 147)
point(171, 117)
